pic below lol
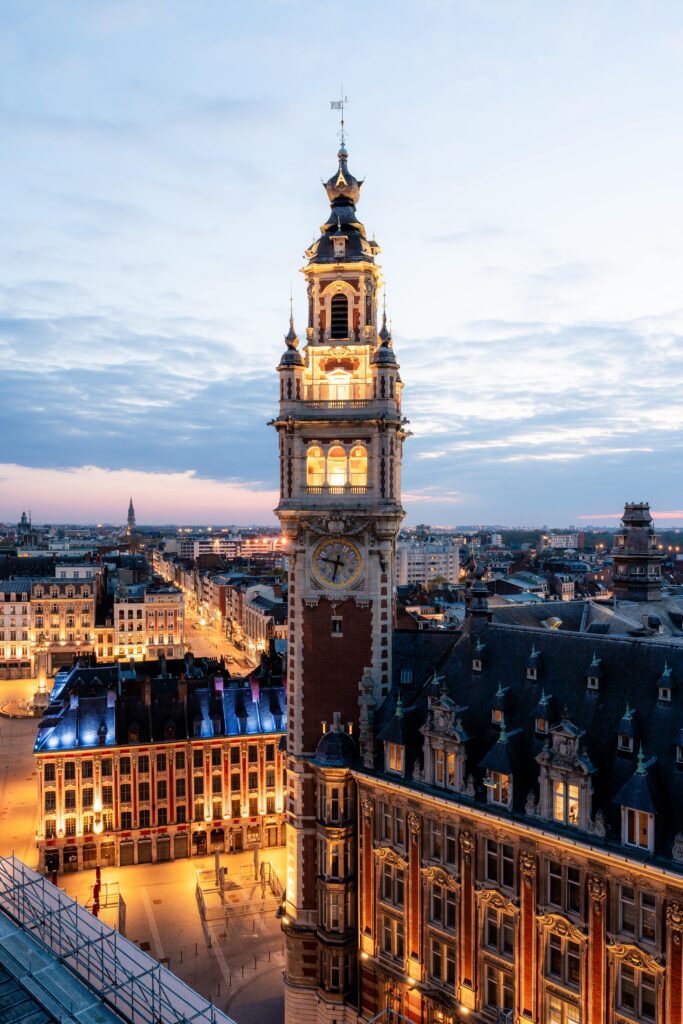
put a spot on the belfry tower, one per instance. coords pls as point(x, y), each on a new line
point(341, 437)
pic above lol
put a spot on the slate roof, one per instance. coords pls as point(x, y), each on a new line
point(630, 673)
point(104, 706)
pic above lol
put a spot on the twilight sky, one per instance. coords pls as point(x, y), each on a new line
point(160, 167)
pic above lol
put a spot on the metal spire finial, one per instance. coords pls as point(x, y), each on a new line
point(339, 105)
point(641, 769)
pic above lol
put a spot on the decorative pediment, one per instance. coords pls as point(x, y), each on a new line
point(560, 925)
point(495, 899)
point(634, 956)
point(438, 876)
point(562, 750)
point(386, 853)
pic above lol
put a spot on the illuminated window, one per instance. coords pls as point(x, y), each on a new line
point(637, 828)
point(499, 789)
point(566, 803)
point(315, 467)
point(395, 757)
point(339, 317)
point(336, 466)
point(358, 466)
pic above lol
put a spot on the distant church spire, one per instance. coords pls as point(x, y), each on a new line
point(131, 518)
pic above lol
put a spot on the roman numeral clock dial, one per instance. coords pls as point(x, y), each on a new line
point(337, 563)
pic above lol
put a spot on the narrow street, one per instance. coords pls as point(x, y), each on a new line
point(208, 642)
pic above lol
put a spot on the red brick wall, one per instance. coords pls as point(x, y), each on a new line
point(674, 956)
point(332, 665)
point(597, 1009)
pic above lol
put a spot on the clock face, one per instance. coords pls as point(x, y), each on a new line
point(337, 563)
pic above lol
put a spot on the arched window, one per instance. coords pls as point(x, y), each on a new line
point(336, 466)
point(358, 466)
point(339, 317)
point(315, 467)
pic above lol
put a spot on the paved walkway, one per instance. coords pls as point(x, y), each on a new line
point(237, 962)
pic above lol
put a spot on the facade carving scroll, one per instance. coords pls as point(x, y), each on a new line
point(495, 899)
point(674, 920)
point(438, 876)
point(414, 822)
point(560, 925)
point(366, 805)
point(636, 957)
point(597, 889)
point(527, 866)
point(466, 845)
point(390, 856)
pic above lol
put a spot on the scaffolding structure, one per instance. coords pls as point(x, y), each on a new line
point(120, 974)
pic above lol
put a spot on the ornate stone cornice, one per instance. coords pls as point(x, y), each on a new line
point(390, 856)
point(495, 899)
point(440, 877)
point(634, 956)
point(560, 925)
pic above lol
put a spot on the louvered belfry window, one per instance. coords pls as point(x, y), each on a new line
point(339, 317)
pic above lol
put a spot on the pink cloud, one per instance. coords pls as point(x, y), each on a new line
point(91, 494)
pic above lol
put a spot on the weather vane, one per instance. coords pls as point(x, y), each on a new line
point(339, 105)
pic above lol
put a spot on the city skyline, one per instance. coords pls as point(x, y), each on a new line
point(533, 286)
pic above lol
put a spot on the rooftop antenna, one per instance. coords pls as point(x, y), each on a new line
point(339, 105)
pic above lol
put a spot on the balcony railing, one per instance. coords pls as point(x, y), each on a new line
point(339, 403)
point(337, 489)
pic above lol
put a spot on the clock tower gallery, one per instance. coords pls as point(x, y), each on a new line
point(341, 435)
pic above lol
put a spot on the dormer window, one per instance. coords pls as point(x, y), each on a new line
point(497, 716)
point(395, 756)
point(531, 672)
point(593, 683)
point(498, 788)
point(339, 247)
point(637, 828)
point(542, 726)
point(476, 664)
point(665, 694)
point(625, 743)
